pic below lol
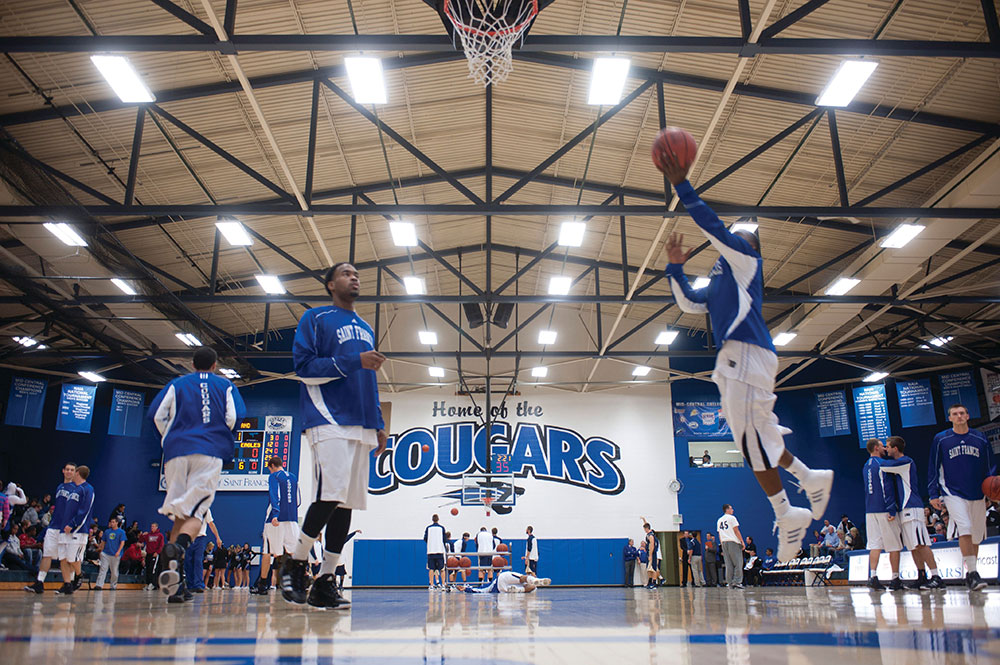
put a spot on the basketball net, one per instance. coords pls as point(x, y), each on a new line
point(488, 30)
point(487, 501)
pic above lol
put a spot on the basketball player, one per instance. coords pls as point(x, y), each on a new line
point(435, 540)
point(484, 543)
point(653, 577)
point(881, 525)
point(61, 515)
point(911, 514)
point(961, 459)
point(195, 415)
point(746, 363)
point(510, 582)
point(73, 539)
point(531, 552)
point(281, 525)
point(335, 357)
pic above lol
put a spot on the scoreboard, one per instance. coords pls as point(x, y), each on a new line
point(257, 440)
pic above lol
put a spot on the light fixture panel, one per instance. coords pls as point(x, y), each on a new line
point(846, 83)
point(367, 80)
point(666, 337)
point(271, 284)
point(546, 337)
point(560, 285)
point(539, 372)
point(571, 234)
point(607, 81)
point(414, 286)
point(123, 79)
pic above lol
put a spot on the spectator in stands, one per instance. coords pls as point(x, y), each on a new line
point(153, 541)
point(31, 514)
point(845, 525)
point(831, 543)
point(768, 561)
point(113, 543)
point(15, 495)
point(46, 503)
point(711, 561)
point(4, 512)
point(46, 517)
point(92, 553)
point(133, 558)
point(31, 549)
point(14, 557)
point(939, 535)
point(118, 515)
point(853, 540)
point(629, 555)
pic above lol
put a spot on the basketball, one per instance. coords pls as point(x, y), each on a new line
point(464, 562)
point(676, 140)
point(452, 562)
point(991, 488)
point(425, 448)
point(502, 548)
point(454, 511)
point(499, 562)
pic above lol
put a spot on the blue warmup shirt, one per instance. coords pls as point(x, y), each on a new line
point(195, 415)
point(734, 297)
point(880, 493)
point(336, 390)
point(79, 506)
point(630, 553)
point(643, 556)
point(64, 509)
point(283, 488)
point(959, 464)
point(695, 547)
point(529, 543)
point(113, 538)
point(905, 481)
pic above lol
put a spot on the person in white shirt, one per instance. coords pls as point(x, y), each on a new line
point(15, 495)
point(484, 543)
point(434, 537)
point(731, 541)
point(531, 555)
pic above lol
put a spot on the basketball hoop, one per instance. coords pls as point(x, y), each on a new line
point(486, 502)
point(488, 30)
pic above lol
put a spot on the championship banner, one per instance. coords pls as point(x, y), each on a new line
point(701, 420)
point(871, 413)
point(76, 408)
point(125, 418)
point(831, 412)
point(24, 405)
point(991, 386)
point(959, 388)
point(916, 403)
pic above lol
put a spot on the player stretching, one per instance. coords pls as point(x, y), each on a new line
point(281, 526)
point(746, 363)
point(911, 514)
point(961, 459)
point(335, 357)
point(510, 582)
point(195, 415)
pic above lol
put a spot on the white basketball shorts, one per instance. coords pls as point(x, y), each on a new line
point(883, 534)
point(72, 546)
point(967, 517)
point(340, 467)
point(280, 539)
point(50, 546)
point(915, 533)
point(191, 484)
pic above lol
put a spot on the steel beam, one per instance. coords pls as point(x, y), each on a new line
point(992, 25)
point(186, 16)
point(838, 157)
point(311, 150)
point(133, 162)
point(791, 18)
point(746, 25)
point(51, 170)
point(229, 21)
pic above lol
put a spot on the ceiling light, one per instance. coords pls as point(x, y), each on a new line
point(783, 338)
point(367, 82)
point(123, 79)
point(25, 341)
point(540, 372)
point(188, 339)
point(749, 224)
point(842, 286)
point(901, 236)
point(414, 286)
point(875, 376)
point(846, 82)
point(941, 341)
point(641, 370)
point(234, 232)
point(229, 373)
point(571, 233)
point(271, 284)
point(546, 337)
point(436, 372)
point(124, 286)
point(92, 376)
point(701, 282)
point(559, 286)
point(665, 337)
point(428, 337)
point(404, 234)
point(607, 81)
point(66, 233)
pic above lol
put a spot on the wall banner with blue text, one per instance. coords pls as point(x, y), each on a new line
point(959, 388)
point(916, 404)
point(126, 413)
point(24, 406)
point(831, 410)
point(76, 408)
point(871, 413)
point(701, 420)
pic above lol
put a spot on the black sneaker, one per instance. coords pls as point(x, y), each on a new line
point(293, 581)
point(173, 570)
point(936, 584)
point(974, 582)
point(324, 594)
point(77, 583)
point(919, 584)
point(875, 584)
point(180, 595)
point(35, 587)
point(896, 584)
point(66, 589)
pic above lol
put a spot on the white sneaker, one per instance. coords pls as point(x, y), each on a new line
point(792, 527)
point(817, 488)
point(544, 581)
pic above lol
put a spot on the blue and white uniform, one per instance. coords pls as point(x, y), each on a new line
point(79, 508)
point(911, 506)
point(958, 466)
point(340, 403)
point(434, 538)
point(880, 504)
point(283, 505)
point(505, 582)
point(746, 363)
point(195, 415)
point(60, 517)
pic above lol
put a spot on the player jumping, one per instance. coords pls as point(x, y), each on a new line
point(509, 582)
point(335, 357)
point(746, 364)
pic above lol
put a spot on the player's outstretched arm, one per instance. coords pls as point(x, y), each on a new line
point(688, 299)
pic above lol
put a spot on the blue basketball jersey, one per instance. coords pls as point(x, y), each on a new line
point(959, 464)
point(880, 492)
point(283, 489)
point(195, 415)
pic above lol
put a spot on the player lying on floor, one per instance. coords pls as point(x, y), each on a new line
point(509, 582)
